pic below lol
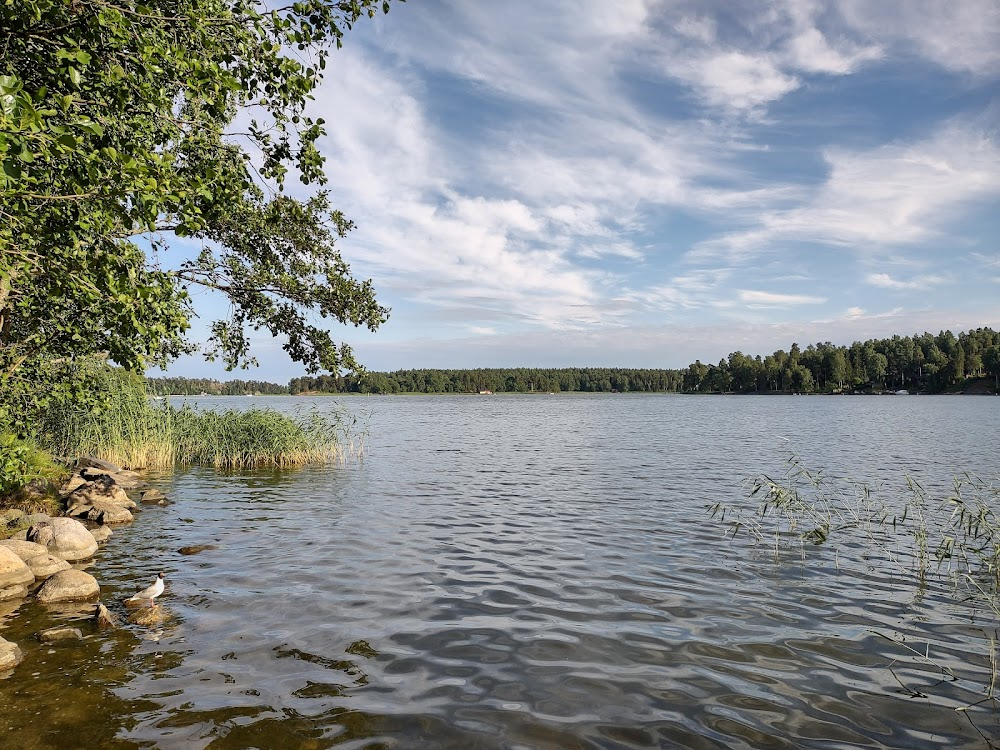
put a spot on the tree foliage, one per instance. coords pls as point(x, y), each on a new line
point(118, 132)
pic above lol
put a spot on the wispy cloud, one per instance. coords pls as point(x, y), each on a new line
point(756, 298)
point(886, 281)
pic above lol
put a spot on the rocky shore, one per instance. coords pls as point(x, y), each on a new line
point(44, 559)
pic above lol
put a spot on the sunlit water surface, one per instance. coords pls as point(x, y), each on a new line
point(527, 572)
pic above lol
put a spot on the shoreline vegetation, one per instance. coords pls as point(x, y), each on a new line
point(926, 363)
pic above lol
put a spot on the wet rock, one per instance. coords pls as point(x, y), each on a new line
point(194, 549)
point(90, 462)
point(64, 633)
point(69, 539)
point(13, 570)
point(46, 566)
point(69, 586)
point(10, 654)
point(13, 592)
point(25, 550)
point(104, 618)
point(101, 533)
point(148, 615)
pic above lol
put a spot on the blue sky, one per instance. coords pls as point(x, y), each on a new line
point(642, 183)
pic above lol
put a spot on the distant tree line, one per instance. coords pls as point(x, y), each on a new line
point(198, 386)
point(926, 362)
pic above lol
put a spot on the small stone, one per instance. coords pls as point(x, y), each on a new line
point(64, 633)
point(90, 462)
point(10, 654)
point(151, 496)
point(13, 592)
point(13, 570)
point(194, 549)
point(104, 618)
point(69, 586)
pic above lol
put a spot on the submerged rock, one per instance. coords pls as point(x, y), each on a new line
point(10, 654)
point(152, 496)
point(69, 586)
point(194, 549)
point(66, 538)
point(13, 570)
point(63, 633)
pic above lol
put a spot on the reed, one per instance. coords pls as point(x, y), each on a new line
point(128, 430)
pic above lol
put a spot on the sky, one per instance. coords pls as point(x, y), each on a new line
point(643, 183)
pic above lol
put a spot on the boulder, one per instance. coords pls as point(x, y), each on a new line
point(13, 570)
point(13, 592)
point(101, 533)
point(69, 586)
point(71, 484)
point(104, 618)
point(44, 567)
point(10, 654)
point(90, 462)
point(25, 550)
point(62, 633)
point(129, 480)
point(41, 533)
point(68, 539)
point(100, 490)
point(108, 513)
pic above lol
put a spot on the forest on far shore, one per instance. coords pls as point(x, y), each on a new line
point(925, 363)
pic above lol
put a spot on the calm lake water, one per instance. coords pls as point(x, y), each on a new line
point(528, 572)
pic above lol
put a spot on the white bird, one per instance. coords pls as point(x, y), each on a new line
point(151, 592)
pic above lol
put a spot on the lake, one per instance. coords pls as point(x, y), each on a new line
point(529, 572)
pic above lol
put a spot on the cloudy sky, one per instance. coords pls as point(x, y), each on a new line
point(645, 182)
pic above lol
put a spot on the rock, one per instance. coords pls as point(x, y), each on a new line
point(10, 654)
point(25, 550)
point(69, 540)
point(11, 516)
point(148, 615)
point(101, 533)
point(49, 565)
point(129, 480)
point(36, 491)
point(64, 633)
point(69, 586)
point(100, 490)
point(21, 536)
point(13, 570)
point(104, 618)
point(151, 496)
point(71, 484)
point(41, 533)
point(13, 592)
point(32, 518)
point(89, 462)
point(194, 549)
point(107, 513)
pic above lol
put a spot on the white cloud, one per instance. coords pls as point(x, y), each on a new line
point(771, 299)
point(886, 281)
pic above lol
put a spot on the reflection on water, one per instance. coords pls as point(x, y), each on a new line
point(525, 572)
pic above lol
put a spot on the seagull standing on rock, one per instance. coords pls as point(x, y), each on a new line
point(150, 593)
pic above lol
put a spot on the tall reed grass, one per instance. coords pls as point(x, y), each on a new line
point(128, 430)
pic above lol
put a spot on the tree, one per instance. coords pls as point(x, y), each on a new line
point(991, 360)
point(117, 132)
